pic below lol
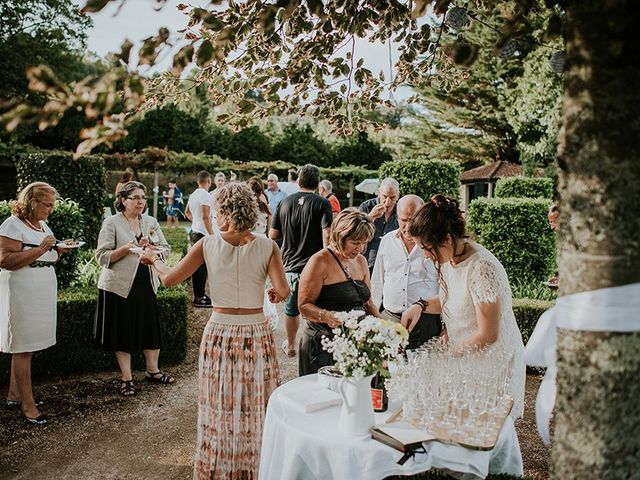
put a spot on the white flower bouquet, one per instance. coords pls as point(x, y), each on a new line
point(360, 348)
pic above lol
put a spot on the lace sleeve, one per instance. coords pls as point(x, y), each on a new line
point(484, 282)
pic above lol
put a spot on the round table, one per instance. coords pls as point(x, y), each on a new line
point(306, 446)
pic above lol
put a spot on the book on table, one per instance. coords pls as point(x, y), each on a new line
point(311, 400)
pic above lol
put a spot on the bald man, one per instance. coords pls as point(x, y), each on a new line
point(402, 276)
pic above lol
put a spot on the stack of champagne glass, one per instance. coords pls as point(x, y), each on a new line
point(459, 394)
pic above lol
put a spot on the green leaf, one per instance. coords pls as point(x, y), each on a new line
point(204, 54)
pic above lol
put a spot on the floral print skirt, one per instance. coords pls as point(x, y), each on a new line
point(238, 372)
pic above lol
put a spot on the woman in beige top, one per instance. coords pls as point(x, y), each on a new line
point(127, 317)
point(238, 367)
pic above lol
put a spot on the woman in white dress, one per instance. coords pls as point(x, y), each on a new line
point(28, 289)
point(475, 296)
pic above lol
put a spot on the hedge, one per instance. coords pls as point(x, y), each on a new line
point(524, 187)
point(424, 178)
point(75, 351)
point(517, 232)
point(82, 180)
point(65, 221)
point(527, 312)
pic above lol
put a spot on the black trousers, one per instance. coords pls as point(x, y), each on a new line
point(428, 326)
point(199, 277)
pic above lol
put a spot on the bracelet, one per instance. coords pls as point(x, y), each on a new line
point(322, 311)
point(422, 302)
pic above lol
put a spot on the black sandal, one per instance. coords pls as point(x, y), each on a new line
point(127, 389)
point(159, 377)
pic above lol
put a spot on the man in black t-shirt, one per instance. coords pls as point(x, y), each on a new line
point(303, 221)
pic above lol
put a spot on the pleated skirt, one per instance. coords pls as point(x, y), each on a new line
point(129, 324)
point(238, 372)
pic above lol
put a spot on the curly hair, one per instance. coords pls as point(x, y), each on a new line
point(124, 193)
point(237, 205)
point(22, 207)
point(350, 224)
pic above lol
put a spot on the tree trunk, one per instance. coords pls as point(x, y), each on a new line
point(597, 421)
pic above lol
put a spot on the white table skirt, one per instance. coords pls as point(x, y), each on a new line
point(306, 446)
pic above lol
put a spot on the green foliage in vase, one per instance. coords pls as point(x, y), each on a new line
point(524, 187)
point(517, 232)
point(424, 178)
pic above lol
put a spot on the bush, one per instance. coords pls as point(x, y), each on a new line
point(66, 222)
point(82, 180)
point(527, 312)
point(75, 351)
point(250, 145)
point(168, 126)
point(517, 232)
point(524, 187)
point(358, 149)
point(300, 145)
point(424, 178)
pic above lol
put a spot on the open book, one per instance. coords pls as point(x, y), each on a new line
point(400, 435)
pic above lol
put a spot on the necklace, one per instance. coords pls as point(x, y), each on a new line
point(453, 260)
point(38, 229)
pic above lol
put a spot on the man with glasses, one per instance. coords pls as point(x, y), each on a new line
point(200, 212)
point(402, 276)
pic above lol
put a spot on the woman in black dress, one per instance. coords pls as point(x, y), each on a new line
point(336, 279)
point(127, 318)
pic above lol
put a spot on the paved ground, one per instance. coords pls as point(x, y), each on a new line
point(97, 434)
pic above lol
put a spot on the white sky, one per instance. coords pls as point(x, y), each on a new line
point(138, 19)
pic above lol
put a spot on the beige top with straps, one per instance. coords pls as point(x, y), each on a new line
point(237, 274)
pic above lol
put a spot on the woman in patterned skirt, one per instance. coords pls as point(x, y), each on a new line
point(238, 369)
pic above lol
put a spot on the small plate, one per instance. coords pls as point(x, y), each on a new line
point(66, 245)
point(142, 251)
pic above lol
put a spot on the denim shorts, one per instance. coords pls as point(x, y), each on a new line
point(291, 307)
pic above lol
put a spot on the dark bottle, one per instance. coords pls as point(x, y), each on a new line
point(379, 394)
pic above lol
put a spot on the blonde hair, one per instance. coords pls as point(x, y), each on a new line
point(237, 204)
point(350, 224)
point(21, 207)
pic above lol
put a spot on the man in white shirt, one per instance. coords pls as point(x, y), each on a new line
point(274, 194)
point(291, 185)
point(402, 276)
point(200, 212)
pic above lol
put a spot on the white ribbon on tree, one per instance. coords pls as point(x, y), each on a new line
point(615, 309)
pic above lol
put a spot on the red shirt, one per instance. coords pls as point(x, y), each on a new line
point(335, 203)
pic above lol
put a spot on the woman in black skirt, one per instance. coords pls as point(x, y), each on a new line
point(127, 313)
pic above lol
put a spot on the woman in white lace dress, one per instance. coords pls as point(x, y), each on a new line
point(475, 296)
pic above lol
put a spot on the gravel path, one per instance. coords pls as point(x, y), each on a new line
point(95, 433)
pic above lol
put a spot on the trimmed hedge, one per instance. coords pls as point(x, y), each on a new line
point(517, 232)
point(65, 221)
point(524, 187)
point(527, 312)
point(424, 178)
point(82, 180)
point(75, 351)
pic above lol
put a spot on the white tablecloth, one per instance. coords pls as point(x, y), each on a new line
point(306, 446)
